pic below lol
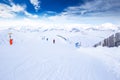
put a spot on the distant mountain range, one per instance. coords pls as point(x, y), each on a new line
point(85, 34)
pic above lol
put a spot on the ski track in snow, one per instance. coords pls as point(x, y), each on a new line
point(31, 58)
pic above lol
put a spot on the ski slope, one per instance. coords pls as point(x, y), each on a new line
point(32, 57)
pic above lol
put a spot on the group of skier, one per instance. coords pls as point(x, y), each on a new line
point(47, 40)
point(77, 44)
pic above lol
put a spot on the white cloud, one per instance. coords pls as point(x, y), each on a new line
point(106, 26)
point(30, 15)
point(46, 23)
point(18, 8)
point(6, 11)
point(13, 10)
point(35, 3)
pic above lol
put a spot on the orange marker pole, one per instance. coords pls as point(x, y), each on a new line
point(11, 41)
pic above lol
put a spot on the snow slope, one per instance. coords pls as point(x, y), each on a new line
point(31, 57)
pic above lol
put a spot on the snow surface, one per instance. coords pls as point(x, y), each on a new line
point(32, 57)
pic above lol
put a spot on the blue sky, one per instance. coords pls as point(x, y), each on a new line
point(79, 11)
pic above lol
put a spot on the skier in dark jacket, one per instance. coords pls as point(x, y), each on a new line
point(53, 41)
point(46, 39)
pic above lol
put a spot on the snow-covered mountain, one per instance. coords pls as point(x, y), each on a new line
point(87, 35)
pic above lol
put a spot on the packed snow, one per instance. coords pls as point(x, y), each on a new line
point(33, 57)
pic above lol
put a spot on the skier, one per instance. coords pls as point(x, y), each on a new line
point(53, 41)
point(77, 44)
point(46, 39)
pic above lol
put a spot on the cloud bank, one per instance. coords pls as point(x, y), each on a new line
point(94, 7)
